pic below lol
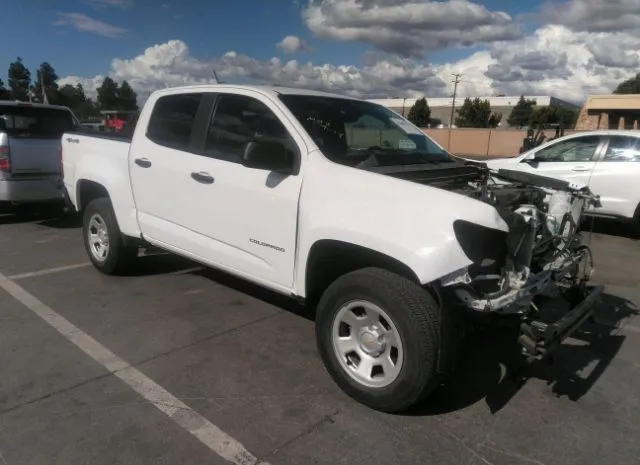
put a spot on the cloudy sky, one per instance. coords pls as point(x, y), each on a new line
point(367, 48)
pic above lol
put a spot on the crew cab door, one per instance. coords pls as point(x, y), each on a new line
point(193, 194)
point(572, 159)
point(253, 213)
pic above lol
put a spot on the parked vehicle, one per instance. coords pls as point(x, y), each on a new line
point(608, 161)
point(346, 206)
point(30, 165)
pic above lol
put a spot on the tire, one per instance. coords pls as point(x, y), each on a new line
point(635, 224)
point(414, 316)
point(117, 257)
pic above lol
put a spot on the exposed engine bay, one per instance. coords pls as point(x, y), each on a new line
point(543, 243)
point(541, 251)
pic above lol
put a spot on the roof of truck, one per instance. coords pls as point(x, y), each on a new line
point(18, 103)
point(273, 89)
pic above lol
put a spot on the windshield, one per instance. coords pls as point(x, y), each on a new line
point(353, 132)
point(25, 121)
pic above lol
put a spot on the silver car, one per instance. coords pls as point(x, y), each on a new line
point(30, 151)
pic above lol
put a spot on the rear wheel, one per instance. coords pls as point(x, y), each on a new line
point(103, 240)
point(379, 336)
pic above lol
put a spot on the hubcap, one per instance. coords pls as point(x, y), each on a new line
point(367, 344)
point(98, 238)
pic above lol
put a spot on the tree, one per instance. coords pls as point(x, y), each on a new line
point(420, 113)
point(476, 113)
point(19, 80)
point(108, 95)
point(128, 100)
point(46, 78)
point(630, 86)
point(521, 114)
point(554, 114)
point(4, 93)
point(75, 98)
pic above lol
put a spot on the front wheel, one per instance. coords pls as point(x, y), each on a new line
point(103, 240)
point(379, 336)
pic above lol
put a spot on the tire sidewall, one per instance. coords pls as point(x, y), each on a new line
point(419, 366)
point(102, 207)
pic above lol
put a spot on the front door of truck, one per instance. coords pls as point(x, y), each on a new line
point(246, 217)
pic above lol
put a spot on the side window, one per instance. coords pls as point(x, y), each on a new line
point(171, 121)
point(237, 120)
point(578, 149)
point(623, 149)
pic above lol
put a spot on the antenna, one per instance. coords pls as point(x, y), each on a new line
point(215, 76)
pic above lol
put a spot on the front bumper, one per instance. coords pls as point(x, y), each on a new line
point(41, 189)
point(538, 339)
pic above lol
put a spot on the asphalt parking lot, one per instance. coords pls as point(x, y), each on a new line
point(239, 361)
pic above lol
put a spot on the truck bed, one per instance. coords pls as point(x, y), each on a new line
point(106, 155)
point(124, 136)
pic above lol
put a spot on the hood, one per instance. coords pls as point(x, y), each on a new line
point(504, 163)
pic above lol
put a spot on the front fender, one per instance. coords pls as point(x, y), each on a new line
point(409, 222)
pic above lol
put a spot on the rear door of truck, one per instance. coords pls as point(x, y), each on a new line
point(32, 135)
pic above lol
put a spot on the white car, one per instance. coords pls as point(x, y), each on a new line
point(346, 206)
point(607, 161)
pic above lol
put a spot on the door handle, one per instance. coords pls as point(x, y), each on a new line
point(581, 168)
point(143, 162)
point(203, 177)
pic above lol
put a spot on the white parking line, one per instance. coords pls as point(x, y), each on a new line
point(57, 269)
point(190, 420)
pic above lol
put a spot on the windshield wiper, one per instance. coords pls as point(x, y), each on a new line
point(399, 157)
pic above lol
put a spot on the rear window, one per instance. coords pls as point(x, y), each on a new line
point(171, 121)
point(36, 122)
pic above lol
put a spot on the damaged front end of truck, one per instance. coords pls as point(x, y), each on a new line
point(541, 255)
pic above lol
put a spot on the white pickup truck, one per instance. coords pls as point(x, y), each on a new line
point(346, 206)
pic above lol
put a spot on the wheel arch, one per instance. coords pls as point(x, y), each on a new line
point(87, 190)
point(328, 259)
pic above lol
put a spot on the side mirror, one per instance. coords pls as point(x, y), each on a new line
point(531, 160)
point(270, 156)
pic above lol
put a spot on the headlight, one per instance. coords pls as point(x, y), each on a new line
point(480, 243)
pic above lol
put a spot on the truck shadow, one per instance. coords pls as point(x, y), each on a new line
point(46, 215)
point(609, 227)
point(492, 369)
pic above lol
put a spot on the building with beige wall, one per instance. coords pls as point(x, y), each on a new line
point(441, 107)
point(610, 112)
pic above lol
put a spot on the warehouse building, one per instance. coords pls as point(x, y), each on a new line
point(610, 112)
point(441, 107)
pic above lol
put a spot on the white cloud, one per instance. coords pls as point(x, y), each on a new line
point(292, 44)
point(595, 15)
point(558, 61)
point(170, 64)
point(84, 23)
point(554, 60)
point(409, 27)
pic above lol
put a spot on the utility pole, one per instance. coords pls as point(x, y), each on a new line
point(44, 94)
point(456, 81)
